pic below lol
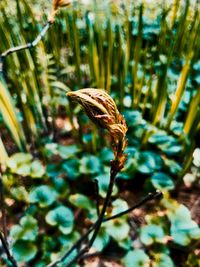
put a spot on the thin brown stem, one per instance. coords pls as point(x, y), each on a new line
point(25, 46)
point(96, 189)
point(3, 212)
point(7, 250)
point(99, 221)
point(149, 197)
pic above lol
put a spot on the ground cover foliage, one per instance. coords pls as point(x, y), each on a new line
point(146, 56)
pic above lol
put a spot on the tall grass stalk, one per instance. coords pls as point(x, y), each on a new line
point(180, 89)
point(9, 115)
point(137, 51)
point(193, 115)
point(3, 155)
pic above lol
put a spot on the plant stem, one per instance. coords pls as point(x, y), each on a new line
point(25, 46)
point(3, 236)
point(149, 197)
point(96, 190)
point(113, 174)
point(2, 207)
point(97, 225)
point(157, 195)
point(7, 251)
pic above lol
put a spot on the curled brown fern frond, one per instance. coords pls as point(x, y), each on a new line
point(102, 110)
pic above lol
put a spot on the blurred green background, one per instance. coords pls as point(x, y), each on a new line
point(146, 55)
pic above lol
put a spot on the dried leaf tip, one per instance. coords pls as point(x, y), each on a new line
point(102, 110)
point(55, 5)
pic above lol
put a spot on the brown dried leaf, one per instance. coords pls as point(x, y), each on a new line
point(55, 5)
point(61, 3)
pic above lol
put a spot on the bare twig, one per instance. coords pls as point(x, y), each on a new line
point(25, 46)
point(99, 221)
point(2, 208)
point(3, 236)
point(7, 250)
point(96, 189)
point(149, 197)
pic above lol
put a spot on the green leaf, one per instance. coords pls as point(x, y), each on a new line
point(61, 217)
point(27, 230)
point(17, 159)
point(24, 251)
point(50, 149)
point(168, 144)
point(129, 169)
point(162, 181)
point(119, 205)
point(151, 233)
point(40, 264)
point(180, 213)
point(90, 165)
point(162, 260)
point(68, 240)
point(126, 243)
point(159, 138)
point(173, 166)
point(118, 229)
point(148, 162)
point(67, 152)
point(20, 193)
point(23, 169)
point(136, 258)
point(61, 186)
point(183, 229)
point(180, 236)
point(103, 182)
point(101, 240)
point(65, 262)
point(106, 155)
point(37, 169)
point(81, 201)
point(43, 195)
point(71, 166)
point(49, 244)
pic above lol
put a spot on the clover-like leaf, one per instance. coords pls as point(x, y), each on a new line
point(37, 169)
point(20, 193)
point(162, 181)
point(67, 152)
point(24, 251)
point(148, 162)
point(151, 233)
point(136, 258)
point(90, 165)
point(101, 240)
point(26, 230)
point(61, 186)
point(71, 167)
point(43, 195)
point(61, 217)
point(67, 240)
point(119, 205)
point(162, 260)
point(183, 229)
point(103, 182)
point(81, 201)
point(18, 159)
point(118, 229)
